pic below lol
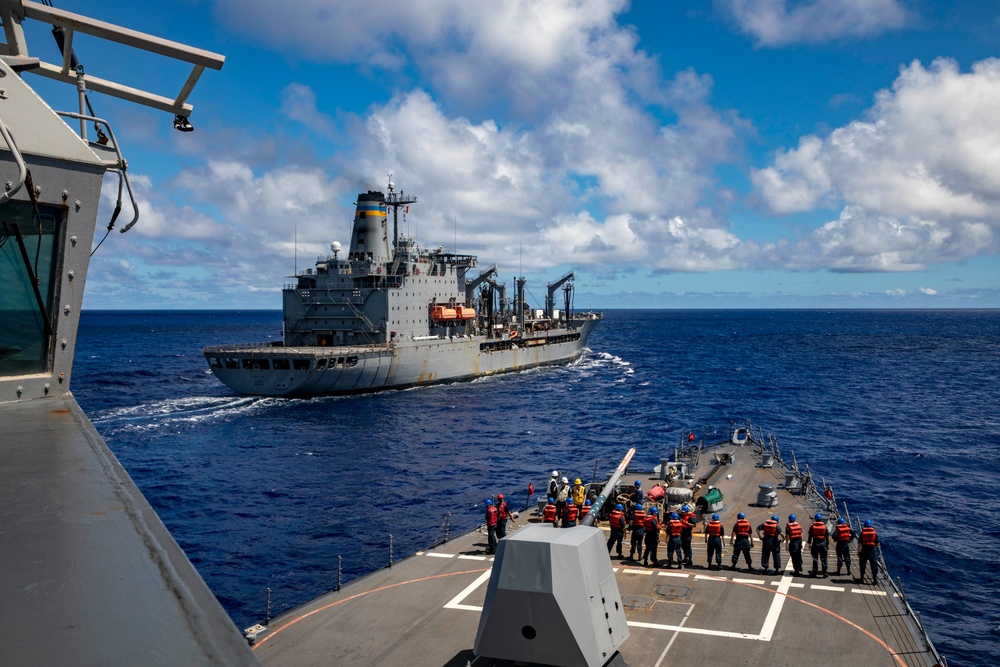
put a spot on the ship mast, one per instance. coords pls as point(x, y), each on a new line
point(395, 200)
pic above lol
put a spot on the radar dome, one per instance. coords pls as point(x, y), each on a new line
point(335, 246)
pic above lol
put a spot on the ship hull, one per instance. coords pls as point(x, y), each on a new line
point(321, 371)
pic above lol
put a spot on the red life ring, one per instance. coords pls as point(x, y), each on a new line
point(513, 333)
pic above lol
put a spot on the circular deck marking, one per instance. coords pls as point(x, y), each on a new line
point(277, 631)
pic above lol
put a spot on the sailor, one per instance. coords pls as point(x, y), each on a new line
point(503, 514)
point(652, 537)
point(637, 494)
point(638, 524)
point(570, 514)
point(713, 538)
point(866, 546)
point(818, 543)
point(562, 495)
point(769, 533)
point(675, 529)
point(585, 510)
point(688, 520)
point(549, 513)
point(741, 539)
point(554, 484)
point(579, 492)
point(843, 536)
point(491, 526)
point(617, 521)
point(793, 533)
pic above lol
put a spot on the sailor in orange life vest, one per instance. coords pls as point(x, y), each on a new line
point(818, 541)
point(866, 546)
point(689, 520)
point(617, 521)
point(674, 544)
point(491, 526)
point(793, 533)
point(503, 514)
point(585, 510)
point(549, 513)
point(769, 533)
point(652, 537)
point(713, 538)
point(843, 536)
point(741, 539)
point(638, 523)
point(570, 514)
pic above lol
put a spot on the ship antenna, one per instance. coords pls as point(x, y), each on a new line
point(295, 253)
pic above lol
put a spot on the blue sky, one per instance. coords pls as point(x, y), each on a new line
point(736, 153)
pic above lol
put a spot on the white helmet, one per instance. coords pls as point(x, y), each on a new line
point(564, 480)
point(555, 473)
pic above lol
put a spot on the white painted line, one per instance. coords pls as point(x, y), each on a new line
point(672, 639)
point(694, 631)
point(631, 571)
point(778, 583)
point(771, 620)
point(673, 574)
point(456, 602)
point(818, 587)
point(864, 592)
point(709, 577)
point(437, 555)
point(466, 557)
point(760, 582)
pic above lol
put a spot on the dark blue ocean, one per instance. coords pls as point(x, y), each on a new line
point(899, 411)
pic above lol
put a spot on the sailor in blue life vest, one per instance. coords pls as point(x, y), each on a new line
point(652, 537)
point(503, 514)
point(638, 523)
point(741, 539)
point(491, 526)
point(713, 538)
point(617, 522)
point(549, 512)
point(866, 548)
point(570, 514)
point(818, 542)
point(689, 520)
point(675, 528)
point(769, 533)
point(793, 534)
point(843, 535)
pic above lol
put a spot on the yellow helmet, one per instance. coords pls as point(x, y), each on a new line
point(578, 481)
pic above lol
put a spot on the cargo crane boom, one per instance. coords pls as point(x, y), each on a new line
point(550, 297)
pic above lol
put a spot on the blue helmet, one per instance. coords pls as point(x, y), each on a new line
point(587, 501)
point(868, 523)
point(715, 517)
point(569, 501)
point(741, 515)
point(489, 502)
point(818, 517)
point(841, 520)
point(774, 517)
point(551, 500)
point(673, 515)
point(638, 484)
point(791, 517)
point(619, 507)
point(653, 510)
point(685, 508)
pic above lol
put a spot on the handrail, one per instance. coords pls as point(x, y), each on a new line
point(22, 170)
point(122, 164)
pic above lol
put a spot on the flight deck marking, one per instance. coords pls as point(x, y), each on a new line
point(760, 582)
point(437, 555)
point(820, 587)
point(467, 557)
point(864, 592)
point(631, 571)
point(674, 638)
point(456, 602)
point(673, 574)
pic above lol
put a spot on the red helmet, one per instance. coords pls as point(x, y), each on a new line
point(499, 496)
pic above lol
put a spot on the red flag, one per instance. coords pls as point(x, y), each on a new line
point(531, 489)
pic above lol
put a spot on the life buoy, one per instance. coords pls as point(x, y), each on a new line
point(513, 333)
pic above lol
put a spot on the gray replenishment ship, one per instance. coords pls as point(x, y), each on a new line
point(396, 316)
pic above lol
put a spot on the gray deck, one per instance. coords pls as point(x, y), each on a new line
point(425, 610)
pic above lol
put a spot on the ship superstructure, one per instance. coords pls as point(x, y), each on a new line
point(391, 314)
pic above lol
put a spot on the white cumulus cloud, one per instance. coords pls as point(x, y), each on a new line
point(782, 22)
